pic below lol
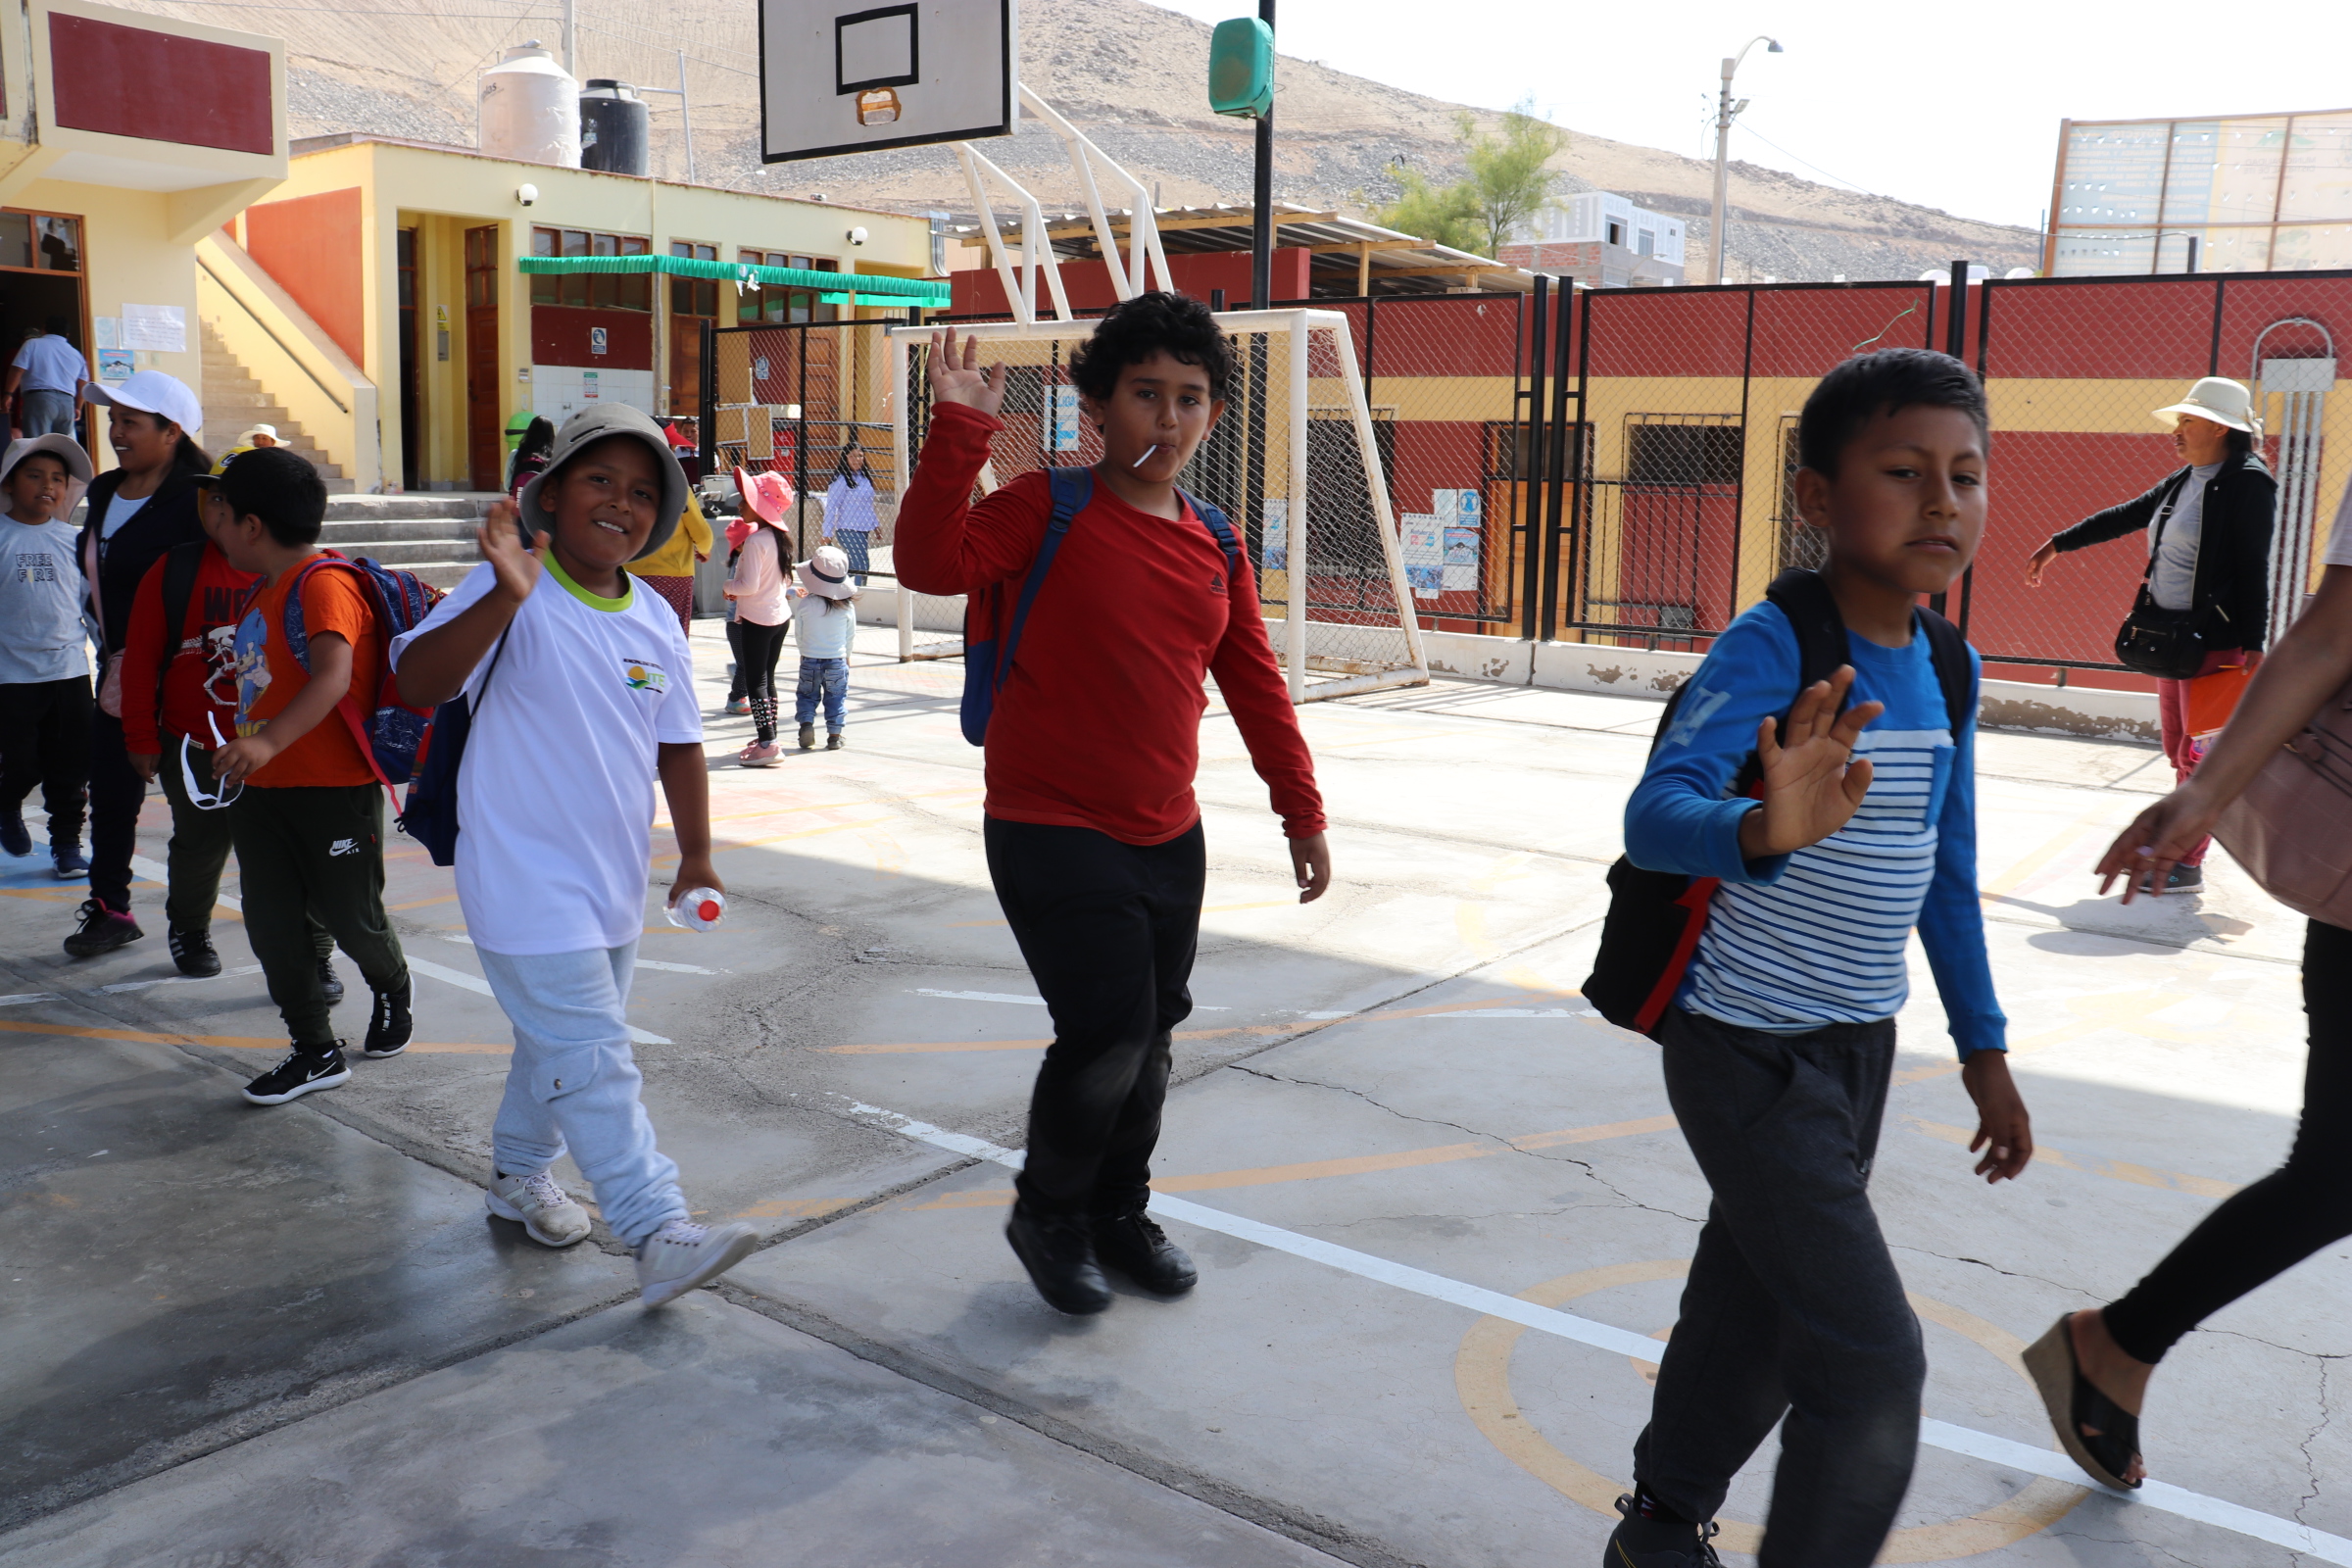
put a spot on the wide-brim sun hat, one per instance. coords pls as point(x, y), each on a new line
point(246, 435)
point(152, 392)
point(2216, 398)
point(582, 432)
point(826, 573)
point(64, 448)
point(766, 496)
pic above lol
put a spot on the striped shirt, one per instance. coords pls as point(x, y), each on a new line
point(1797, 942)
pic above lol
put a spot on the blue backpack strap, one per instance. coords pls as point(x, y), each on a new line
point(1214, 521)
point(1073, 488)
point(298, 635)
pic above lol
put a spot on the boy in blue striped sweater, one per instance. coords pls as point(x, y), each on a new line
point(1781, 1041)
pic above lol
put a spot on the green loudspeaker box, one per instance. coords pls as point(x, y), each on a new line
point(1240, 67)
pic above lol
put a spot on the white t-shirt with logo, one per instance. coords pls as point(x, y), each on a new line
point(556, 796)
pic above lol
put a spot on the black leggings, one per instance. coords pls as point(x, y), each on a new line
point(2302, 1206)
point(759, 648)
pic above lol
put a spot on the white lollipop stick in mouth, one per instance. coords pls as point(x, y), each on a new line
point(1147, 450)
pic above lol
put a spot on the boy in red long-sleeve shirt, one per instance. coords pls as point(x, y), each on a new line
point(184, 685)
point(1093, 836)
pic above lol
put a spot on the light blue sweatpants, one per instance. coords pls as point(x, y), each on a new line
point(573, 1084)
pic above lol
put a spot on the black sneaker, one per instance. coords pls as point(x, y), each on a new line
point(1136, 1245)
point(194, 952)
point(1059, 1257)
point(390, 1030)
point(103, 930)
point(1640, 1543)
point(301, 1072)
point(14, 837)
point(807, 737)
point(330, 982)
point(71, 865)
point(2184, 879)
point(833, 741)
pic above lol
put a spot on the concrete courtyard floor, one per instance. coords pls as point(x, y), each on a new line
point(1439, 1208)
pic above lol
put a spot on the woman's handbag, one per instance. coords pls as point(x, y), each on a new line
point(2153, 639)
point(2292, 827)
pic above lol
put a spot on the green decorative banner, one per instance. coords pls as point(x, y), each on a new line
point(872, 288)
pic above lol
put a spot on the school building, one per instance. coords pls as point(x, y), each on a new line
point(124, 140)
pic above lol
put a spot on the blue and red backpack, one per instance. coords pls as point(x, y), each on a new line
point(393, 738)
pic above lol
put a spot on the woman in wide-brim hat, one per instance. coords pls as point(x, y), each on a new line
point(2212, 553)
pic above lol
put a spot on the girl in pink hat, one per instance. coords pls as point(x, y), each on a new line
point(757, 586)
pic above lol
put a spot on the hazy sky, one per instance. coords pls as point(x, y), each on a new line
point(1952, 106)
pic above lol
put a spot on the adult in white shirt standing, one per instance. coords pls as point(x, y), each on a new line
point(2211, 523)
point(49, 372)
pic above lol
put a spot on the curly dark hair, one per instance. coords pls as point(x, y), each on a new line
point(1136, 328)
point(1886, 382)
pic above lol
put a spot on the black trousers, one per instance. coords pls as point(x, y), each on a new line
point(758, 647)
point(310, 857)
point(199, 849)
point(2297, 1210)
point(1108, 931)
point(735, 647)
point(45, 740)
point(116, 794)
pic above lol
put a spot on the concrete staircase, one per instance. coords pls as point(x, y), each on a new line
point(233, 400)
point(429, 534)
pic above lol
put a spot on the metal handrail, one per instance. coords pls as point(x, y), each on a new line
point(257, 320)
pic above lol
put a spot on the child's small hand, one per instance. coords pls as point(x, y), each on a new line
point(1810, 790)
point(1310, 864)
point(695, 872)
point(242, 757)
point(2003, 1129)
point(955, 380)
point(502, 545)
point(144, 763)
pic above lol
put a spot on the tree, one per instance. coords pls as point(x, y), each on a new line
point(1506, 187)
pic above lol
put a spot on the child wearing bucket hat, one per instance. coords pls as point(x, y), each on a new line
point(760, 589)
point(825, 622)
point(562, 652)
point(45, 664)
point(2209, 557)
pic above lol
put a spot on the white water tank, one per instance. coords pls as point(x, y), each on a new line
point(528, 108)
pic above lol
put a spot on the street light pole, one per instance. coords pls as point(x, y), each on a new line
point(1726, 111)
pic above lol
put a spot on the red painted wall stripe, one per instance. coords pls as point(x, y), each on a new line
point(136, 82)
point(312, 246)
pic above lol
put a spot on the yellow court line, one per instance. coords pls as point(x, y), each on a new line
point(1304, 1026)
point(232, 1042)
point(2170, 1181)
point(2057, 845)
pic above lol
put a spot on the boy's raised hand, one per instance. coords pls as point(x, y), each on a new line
point(959, 379)
point(500, 539)
point(1811, 785)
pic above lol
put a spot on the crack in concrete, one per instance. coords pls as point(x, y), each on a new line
point(2310, 1465)
point(2005, 1273)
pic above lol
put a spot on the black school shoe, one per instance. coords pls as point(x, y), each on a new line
point(330, 982)
point(299, 1074)
point(1059, 1256)
point(192, 952)
point(1638, 1543)
point(14, 837)
point(1134, 1244)
point(390, 1030)
point(102, 930)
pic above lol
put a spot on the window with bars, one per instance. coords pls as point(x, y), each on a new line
point(611, 291)
point(694, 296)
point(757, 304)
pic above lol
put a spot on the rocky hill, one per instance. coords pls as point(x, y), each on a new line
point(1131, 75)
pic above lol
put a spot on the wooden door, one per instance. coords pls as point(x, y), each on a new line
point(485, 443)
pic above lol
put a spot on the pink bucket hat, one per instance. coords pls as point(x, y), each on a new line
point(827, 575)
point(766, 496)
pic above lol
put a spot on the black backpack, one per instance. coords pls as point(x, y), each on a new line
point(1655, 917)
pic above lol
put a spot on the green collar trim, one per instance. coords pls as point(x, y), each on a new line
point(593, 601)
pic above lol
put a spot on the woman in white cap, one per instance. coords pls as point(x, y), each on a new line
point(2209, 556)
point(138, 509)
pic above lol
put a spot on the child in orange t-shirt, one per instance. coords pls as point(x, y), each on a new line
point(306, 819)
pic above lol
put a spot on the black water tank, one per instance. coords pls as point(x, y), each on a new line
point(615, 128)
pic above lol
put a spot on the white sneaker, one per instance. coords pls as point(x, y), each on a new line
point(682, 1255)
point(546, 1213)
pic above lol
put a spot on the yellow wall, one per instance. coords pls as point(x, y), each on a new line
point(442, 192)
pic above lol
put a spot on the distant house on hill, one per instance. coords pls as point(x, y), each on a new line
point(1601, 240)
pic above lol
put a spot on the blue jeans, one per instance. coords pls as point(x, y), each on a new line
point(572, 1084)
point(853, 542)
point(46, 413)
point(831, 677)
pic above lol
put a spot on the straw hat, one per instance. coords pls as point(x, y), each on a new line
point(827, 575)
point(2216, 398)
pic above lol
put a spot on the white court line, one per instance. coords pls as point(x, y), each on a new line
point(29, 996)
point(447, 976)
point(175, 980)
point(2014, 1455)
point(1006, 996)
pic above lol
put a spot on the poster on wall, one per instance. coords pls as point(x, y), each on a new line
point(1424, 541)
point(157, 328)
point(1275, 536)
point(1464, 521)
point(1065, 419)
point(114, 366)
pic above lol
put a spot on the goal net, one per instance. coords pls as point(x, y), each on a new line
point(1296, 464)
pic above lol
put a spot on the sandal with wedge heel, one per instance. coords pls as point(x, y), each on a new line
point(2073, 1403)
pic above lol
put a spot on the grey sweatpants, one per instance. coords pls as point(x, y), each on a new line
point(1793, 1307)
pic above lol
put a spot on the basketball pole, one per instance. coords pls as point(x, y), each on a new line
point(1261, 222)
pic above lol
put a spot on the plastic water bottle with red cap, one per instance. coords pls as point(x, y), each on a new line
point(698, 909)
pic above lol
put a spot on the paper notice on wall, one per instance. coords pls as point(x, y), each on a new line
point(114, 366)
point(1275, 536)
point(1065, 419)
point(108, 330)
point(1464, 532)
point(1424, 541)
point(157, 328)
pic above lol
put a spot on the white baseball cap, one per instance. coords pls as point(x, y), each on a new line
point(153, 392)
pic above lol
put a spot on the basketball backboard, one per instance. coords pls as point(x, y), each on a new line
point(849, 76)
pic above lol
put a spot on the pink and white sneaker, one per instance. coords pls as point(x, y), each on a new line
point(758, 755)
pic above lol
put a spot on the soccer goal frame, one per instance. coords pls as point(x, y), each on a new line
point(1346, 649)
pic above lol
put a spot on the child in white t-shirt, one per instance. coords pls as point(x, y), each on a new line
point(582, 690)
point(825, 615)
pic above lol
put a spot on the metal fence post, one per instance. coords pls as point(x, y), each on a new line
point(1955, 343)
point(1555, 453)
point(1529, 490)
point(707, 396)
